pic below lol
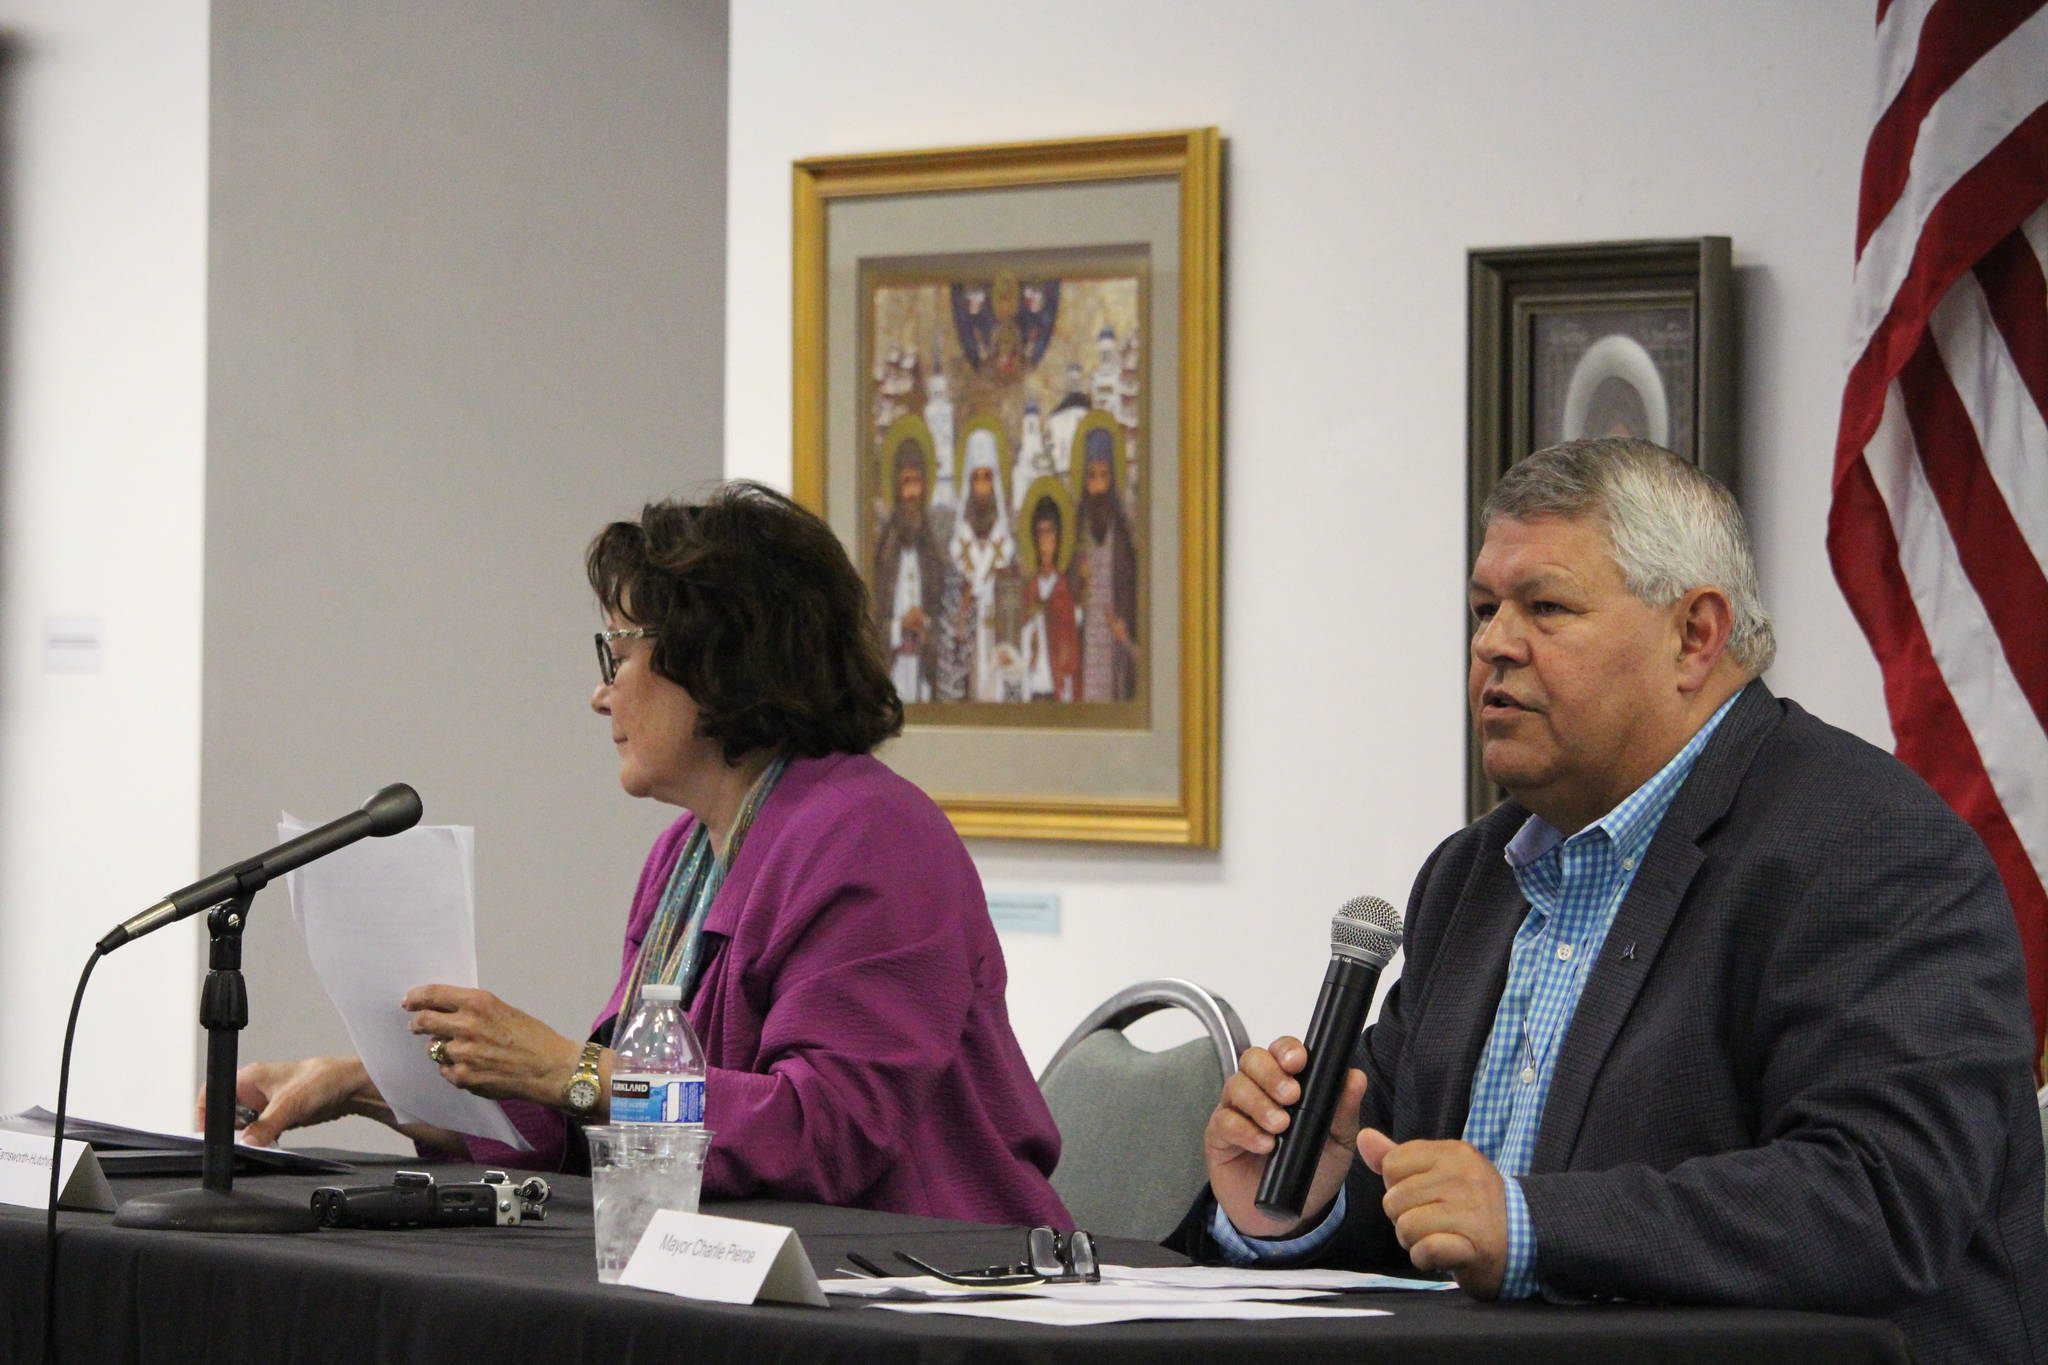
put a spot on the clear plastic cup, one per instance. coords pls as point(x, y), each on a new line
point(637, 1169)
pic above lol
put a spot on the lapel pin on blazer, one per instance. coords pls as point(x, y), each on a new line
point(1629, 950)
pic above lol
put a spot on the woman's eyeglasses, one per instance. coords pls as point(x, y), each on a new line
point(1049, 1258)
point(607, 661)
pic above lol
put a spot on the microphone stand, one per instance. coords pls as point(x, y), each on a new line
point(216, 1205)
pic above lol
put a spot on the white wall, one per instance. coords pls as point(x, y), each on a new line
point(1370, 144)
point(465, 308)
point(101, 476)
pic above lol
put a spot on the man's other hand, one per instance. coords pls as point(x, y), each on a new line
point(1449, 1207)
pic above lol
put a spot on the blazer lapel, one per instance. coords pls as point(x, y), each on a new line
point(1451, 1027)
point(1645, 920)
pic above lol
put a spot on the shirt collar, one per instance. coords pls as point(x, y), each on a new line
point(1630, 826)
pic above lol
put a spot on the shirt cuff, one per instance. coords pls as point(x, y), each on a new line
point(1239, 1249)
point(1518, 1277)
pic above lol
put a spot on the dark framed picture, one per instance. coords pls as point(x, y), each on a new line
point(1595, 339)
point(1006, 405)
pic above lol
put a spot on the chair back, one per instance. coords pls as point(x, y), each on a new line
point(1131, 1119)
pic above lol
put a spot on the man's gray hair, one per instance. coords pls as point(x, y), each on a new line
point(1672, 528)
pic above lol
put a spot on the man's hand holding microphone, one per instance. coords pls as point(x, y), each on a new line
point(1284, 1132)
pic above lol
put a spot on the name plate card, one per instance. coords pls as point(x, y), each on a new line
point(25, 1174)
point(723, 1260)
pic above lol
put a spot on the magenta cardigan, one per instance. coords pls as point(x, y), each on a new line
point(851, 1008)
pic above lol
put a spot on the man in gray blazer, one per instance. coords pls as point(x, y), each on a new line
point(1723, 1006)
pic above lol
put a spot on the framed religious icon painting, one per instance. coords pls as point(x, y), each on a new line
point(1597, 339)
point(1006, 406)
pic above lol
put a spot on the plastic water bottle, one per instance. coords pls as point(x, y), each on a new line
point(658, 1069)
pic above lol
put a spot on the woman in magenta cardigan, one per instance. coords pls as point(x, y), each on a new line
point(824, 920)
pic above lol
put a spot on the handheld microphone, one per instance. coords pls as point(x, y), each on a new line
point(1363, 937)
point(395, 808)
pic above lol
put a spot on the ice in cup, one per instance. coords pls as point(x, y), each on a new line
point(636, 1170)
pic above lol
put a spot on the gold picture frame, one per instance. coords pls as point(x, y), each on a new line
point(1054, 625)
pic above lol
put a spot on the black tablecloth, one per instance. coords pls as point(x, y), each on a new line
point(530, 1293)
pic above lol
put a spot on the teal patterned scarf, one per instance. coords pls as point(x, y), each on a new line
point(672, 950)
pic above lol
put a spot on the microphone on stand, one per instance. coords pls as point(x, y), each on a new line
point(216, 1205)
point(395, 808)
point(1363, 938)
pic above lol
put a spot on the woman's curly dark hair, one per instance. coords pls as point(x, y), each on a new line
point(759, 616)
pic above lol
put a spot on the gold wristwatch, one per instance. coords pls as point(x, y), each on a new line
point(581, 1095)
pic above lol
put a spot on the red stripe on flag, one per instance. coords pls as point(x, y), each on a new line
point(1976, 213)
point(2011, 278)
point(1994, 553)
point(1932, 737)
point(1952, 38)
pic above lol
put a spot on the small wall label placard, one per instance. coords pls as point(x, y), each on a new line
point(1025, 912)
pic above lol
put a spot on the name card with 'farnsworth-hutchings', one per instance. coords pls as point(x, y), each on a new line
point(25, 1175)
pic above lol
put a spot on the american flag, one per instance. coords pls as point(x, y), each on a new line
point(1939, 528)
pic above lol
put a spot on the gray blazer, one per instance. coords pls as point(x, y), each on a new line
point(1808, 1085)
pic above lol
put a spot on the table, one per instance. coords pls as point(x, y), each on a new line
point(529, 1293)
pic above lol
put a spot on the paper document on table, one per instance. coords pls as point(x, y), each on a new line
point(1071, 1313)
point(1253, 1277)
point(927, 1288)
point(133, 1150)
point(379, 918)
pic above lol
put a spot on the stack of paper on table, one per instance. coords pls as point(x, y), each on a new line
point(1129, 1294)
point(137, 1151)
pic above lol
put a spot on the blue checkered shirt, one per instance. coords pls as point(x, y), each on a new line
point(1574, 887)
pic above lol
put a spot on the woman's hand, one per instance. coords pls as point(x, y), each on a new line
point(492, 1049)
point(295, 1094)
point(287, 1095)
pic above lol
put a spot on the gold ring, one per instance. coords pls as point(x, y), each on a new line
point(438, 1051)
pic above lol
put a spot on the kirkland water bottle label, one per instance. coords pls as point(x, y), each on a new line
point(685, 1102)
point(638, 1100)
